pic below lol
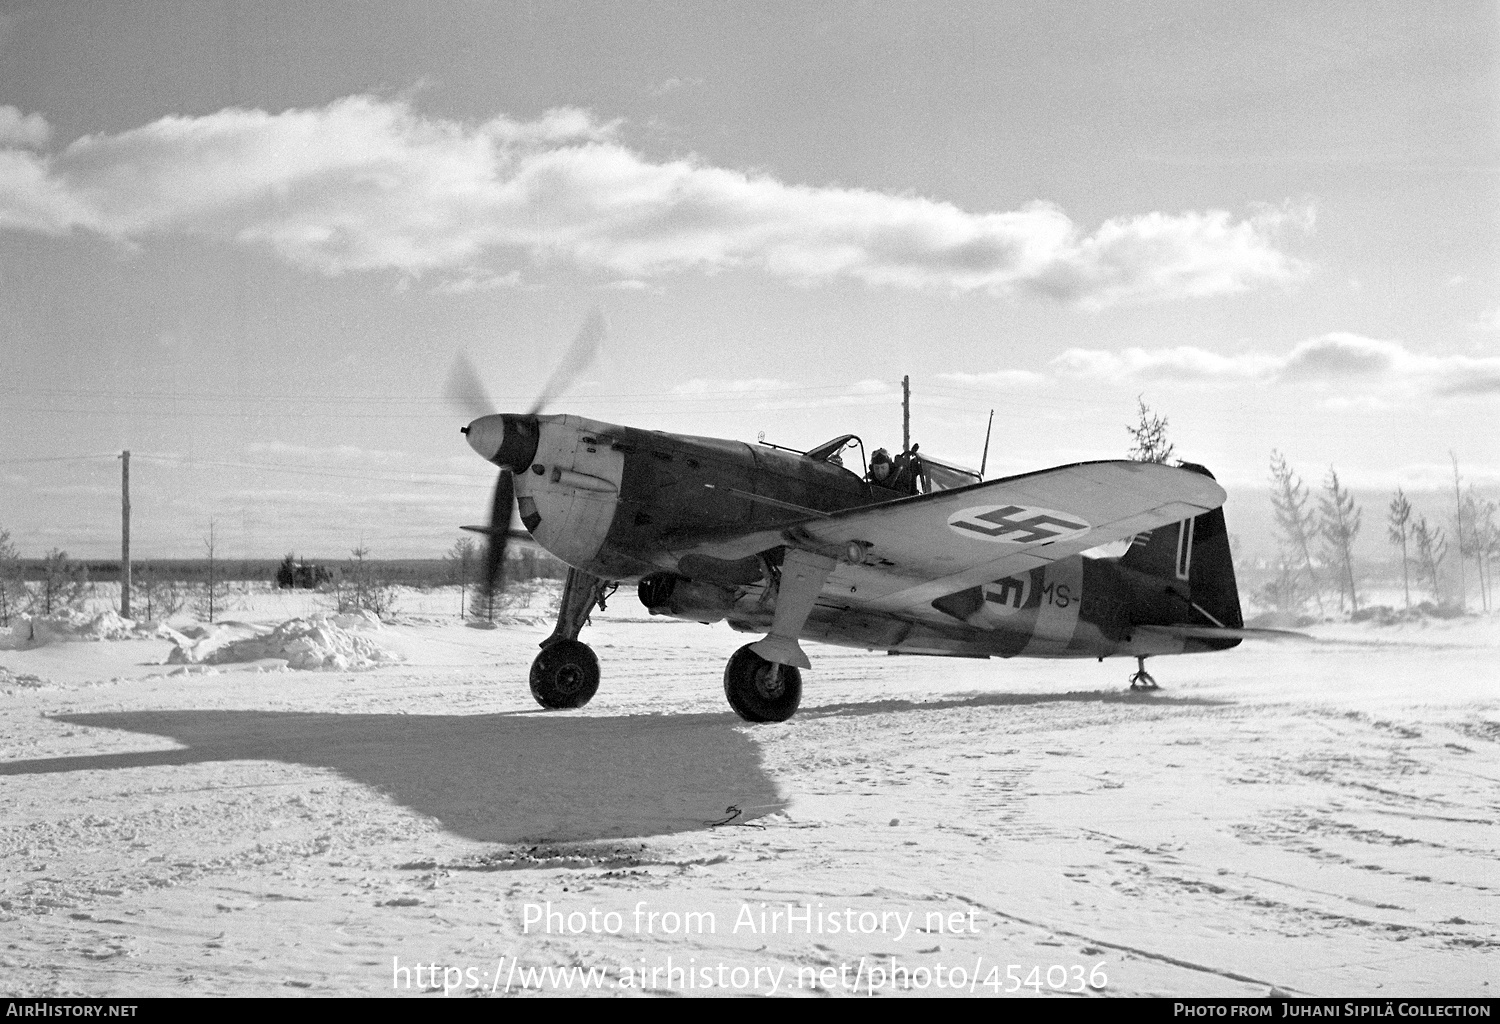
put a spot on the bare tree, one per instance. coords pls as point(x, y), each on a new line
point(1149, 436)
point(1339, 523)
point(1431, 549)
point(211, 601)
point(159, 596)
point(1296, 522)
point(1396, 529)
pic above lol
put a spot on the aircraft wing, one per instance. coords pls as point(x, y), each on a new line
point(903, 554)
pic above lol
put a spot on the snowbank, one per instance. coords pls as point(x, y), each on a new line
point(331, 643)
point(72, 625)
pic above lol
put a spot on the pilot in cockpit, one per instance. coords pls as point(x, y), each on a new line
point(898, 474)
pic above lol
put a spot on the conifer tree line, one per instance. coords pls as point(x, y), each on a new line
point(63, 583)
point(1442, 559)
point(1315, 538)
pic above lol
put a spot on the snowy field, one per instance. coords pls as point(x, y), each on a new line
point(1318, 818)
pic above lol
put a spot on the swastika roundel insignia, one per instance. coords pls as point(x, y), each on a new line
point(1015, 524)
point(1008, 595)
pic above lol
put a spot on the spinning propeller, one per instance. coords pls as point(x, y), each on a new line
point(509, 441)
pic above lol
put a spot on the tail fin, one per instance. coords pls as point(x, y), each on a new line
point(1193, 557)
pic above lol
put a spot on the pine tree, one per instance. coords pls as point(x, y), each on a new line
point(1490, 536)
point(1338, 524)
point(12, 586)
point(1476, 524)
point(1397, 531)
point(1295, 520)
point(1284, 591)
point(361, 586)
point(64, 584)
point(1431, 548)
point(461, 556)
point(1149, 436)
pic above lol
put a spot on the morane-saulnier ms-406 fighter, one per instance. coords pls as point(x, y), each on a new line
point(794, 546)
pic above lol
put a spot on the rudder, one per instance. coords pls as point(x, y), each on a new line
point(1194, 557)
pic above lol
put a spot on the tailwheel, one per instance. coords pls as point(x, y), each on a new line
point(761, 690)
point(564, 675)
point(1141, 679)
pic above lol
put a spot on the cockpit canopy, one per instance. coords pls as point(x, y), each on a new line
point(931, 474)
point(828, 449)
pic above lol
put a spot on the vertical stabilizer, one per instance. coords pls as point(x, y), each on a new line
point(1193, 561)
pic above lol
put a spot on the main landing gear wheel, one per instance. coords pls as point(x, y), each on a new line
point(565, 675)
point(1142, 680)
point(761, 690)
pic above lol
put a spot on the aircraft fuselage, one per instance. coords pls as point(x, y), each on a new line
point(622, 504)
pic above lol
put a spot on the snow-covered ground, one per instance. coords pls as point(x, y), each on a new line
point(1318, 818)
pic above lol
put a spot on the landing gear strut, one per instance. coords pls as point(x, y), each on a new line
point(566, 673)
point(1142, 680)
point(761, 690)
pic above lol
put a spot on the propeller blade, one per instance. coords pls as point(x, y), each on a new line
point(580, 354)
point(465, 389)
point(494, 550)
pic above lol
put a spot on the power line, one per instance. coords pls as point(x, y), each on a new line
point(455, 478)
point(61, 458)
point(320, 397)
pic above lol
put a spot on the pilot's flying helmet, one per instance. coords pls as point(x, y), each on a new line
point(879, 455)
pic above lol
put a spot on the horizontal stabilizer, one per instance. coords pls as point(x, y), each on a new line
point(1226, 633)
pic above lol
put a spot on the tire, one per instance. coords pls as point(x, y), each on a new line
point(760, 690)
point(565, 675)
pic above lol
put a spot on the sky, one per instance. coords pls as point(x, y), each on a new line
point(246, 241)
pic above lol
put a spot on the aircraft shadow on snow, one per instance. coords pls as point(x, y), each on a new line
point(987, 700)
point(512, 777)
point(503, 778)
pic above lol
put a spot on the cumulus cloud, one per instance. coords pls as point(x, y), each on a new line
point(1339, 358)
point(1183, 361)
point(30, 131)
point(673, 84)
point(368, 183)
point(995, 378)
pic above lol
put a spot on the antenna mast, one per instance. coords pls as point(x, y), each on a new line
point(983, 459)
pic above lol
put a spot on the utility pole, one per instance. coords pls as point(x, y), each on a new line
point(125, 534)
point(983, 459)
point(906, 414)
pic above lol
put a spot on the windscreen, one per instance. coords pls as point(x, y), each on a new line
point(937, 477)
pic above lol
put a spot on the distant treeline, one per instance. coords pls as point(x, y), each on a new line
point(407, 572)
